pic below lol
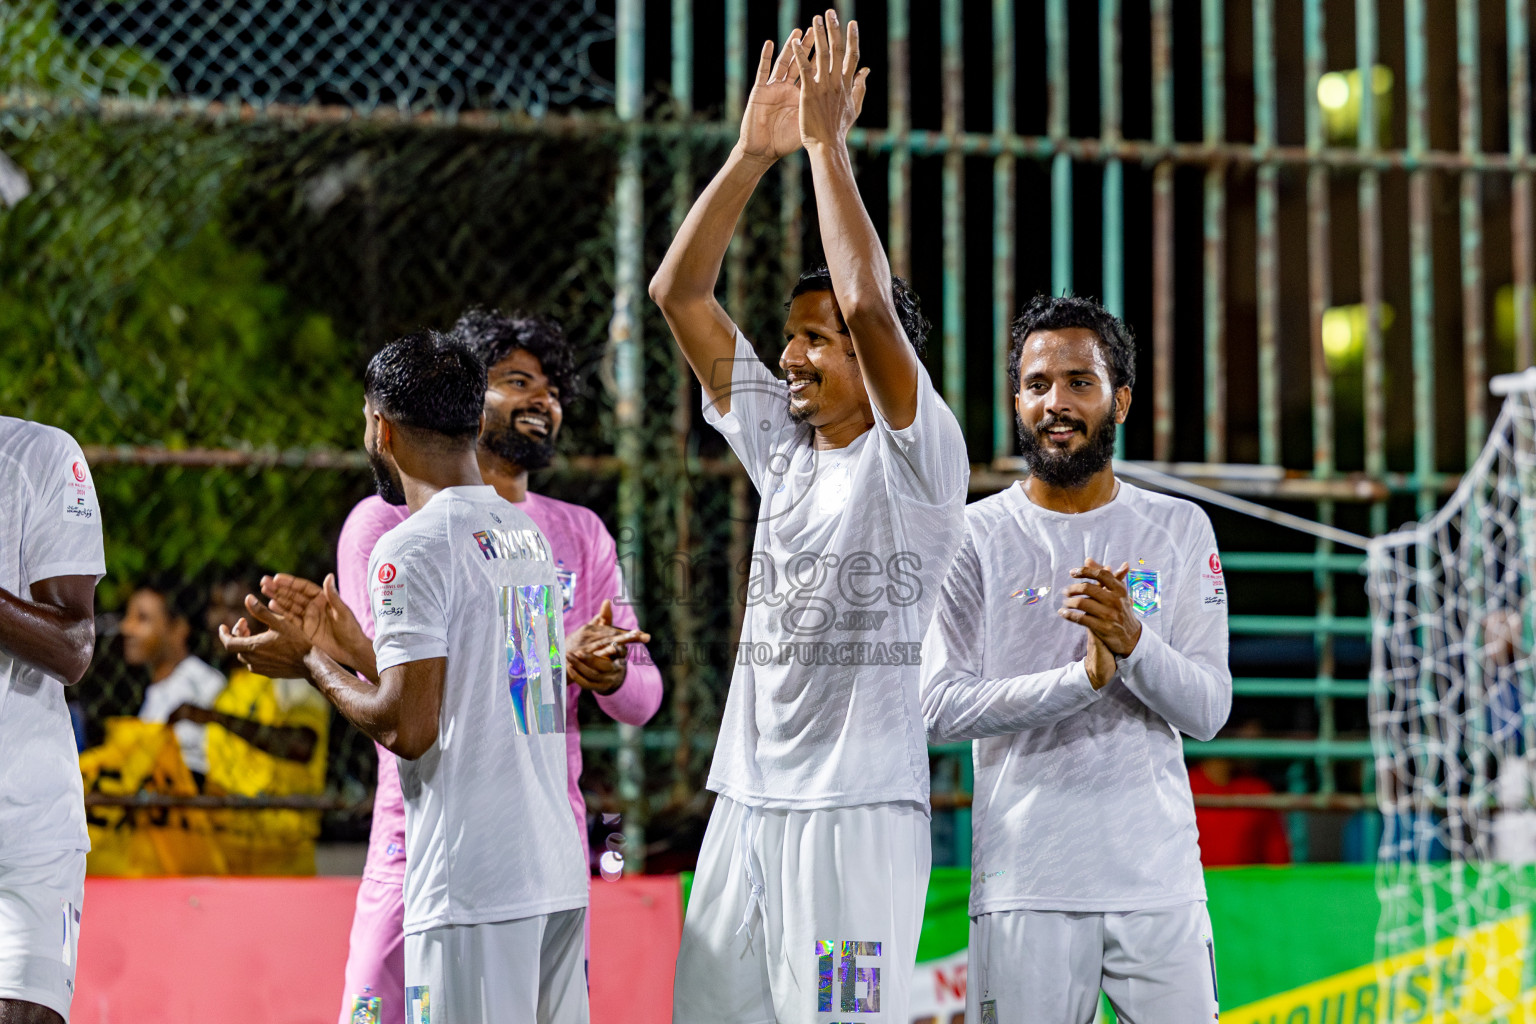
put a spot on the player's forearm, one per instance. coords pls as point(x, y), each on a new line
point(958, 708)
point(692, 264)
point(861, 273)
point(1193, 696)
point(53, 639)
point(374, 711)
point(637, 700)
point(290, 743)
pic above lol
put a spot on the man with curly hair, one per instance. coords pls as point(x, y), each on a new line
point(809, 894)
point(532, 373)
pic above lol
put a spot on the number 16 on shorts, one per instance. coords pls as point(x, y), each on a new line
point(858, 988)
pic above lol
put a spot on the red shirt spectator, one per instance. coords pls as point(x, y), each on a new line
point(1236, 835)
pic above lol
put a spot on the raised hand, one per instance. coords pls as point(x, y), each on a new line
point(1101, 602)
point(770, 126)
point(324, 616)
point(832, 84)
point(594, 654)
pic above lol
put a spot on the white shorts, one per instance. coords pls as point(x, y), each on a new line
point(528, 971)
point(804, 917)
point(1047, 967)
point(40, 900)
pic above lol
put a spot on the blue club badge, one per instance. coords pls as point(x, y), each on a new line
point(1146, 594)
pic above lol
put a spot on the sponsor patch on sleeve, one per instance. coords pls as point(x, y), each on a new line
point(388, 593)
point(79, 492)
point(1213, 584)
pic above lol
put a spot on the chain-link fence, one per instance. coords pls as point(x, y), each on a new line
point(192, 289)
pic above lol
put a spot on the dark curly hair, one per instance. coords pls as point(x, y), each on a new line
point(493, 335)
point(1055, 313)
point(909, 310)
point(429, 381)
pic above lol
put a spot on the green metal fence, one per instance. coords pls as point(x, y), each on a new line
point(1320, 353)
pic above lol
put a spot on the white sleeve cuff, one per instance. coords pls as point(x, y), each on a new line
point(1131, 661)
point(399, 648)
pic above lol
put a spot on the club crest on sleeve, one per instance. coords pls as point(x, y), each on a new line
point(1029, 595)
point(567, 578)
point(1146, 591)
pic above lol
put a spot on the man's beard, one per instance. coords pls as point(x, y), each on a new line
point(507, 442)
point(1067, 470)
point(386, 482)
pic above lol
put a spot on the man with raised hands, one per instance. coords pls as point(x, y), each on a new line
point(811, 881)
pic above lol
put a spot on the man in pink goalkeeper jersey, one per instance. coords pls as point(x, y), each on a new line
point(531, 370)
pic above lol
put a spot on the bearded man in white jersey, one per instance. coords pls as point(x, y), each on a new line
point(469, 654)
point(1075, 682)
point(51, 559)
point(808, 899)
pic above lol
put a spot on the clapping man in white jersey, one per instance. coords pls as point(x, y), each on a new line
point(469, 653)
point(1076, 682)
point(810, 887)
point(50, 562)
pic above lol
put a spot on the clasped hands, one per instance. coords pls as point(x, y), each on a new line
point(812, 94)
point(303, 617)
point(1100, 602)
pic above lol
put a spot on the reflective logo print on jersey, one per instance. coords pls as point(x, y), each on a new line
point(535, 665)
point(1029, 595)
point(851, 977)
point(567, 578)
point(1146, 595)
point(513, 544)
point(418, 1005)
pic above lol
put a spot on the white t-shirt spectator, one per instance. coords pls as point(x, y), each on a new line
point(488, 830)
point(192, 681)
point(850, 553)
point(50, 525)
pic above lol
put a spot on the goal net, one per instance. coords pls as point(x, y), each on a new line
point(1453, 724)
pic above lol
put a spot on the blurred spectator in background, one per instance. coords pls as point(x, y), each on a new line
point(1237, 835)
point(265, 737)
point(155, 628)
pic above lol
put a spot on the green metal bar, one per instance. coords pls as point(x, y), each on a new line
point(791, 169)
point(736, 88)
point(1003, 180)
point(963, 814)
point(1162, 233)
point(1113, 247)
point(1281, 750)
point(1319, 294)
point(1475, 360)
point(1291, 561)
point(1519, 48)
point(1374, 377)
point(899, 83)
point(1301, 687)
point(1058, 127)
point(1268, 216)
point(1114, 171)
point(951, 30)
point(1375, 382)
point(1421, 253)
point(1295, 625)
point(1319, 247)
point(625, 341)
point(1213, 100)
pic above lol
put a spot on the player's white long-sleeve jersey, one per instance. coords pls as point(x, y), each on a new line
point(1082, 800)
